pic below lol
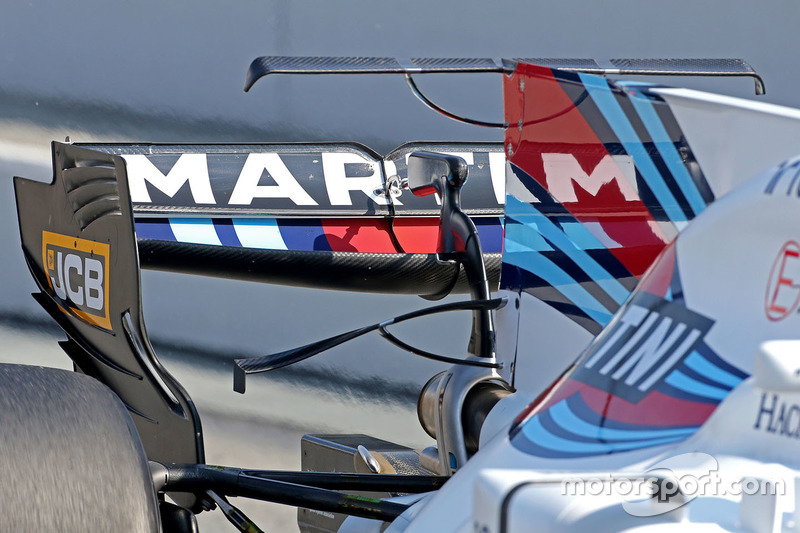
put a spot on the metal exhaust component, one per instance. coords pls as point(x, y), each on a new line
point(477, 404)
point(427, 404)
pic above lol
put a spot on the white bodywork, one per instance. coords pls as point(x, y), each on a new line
point(738, 265)
point(733, 140)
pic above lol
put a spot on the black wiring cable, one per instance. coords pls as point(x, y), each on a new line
point(428, 102)
point(436, 357)
point(392, 213)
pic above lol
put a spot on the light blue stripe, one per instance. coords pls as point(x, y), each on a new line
point(259, 233)
point(538, 435)
point(628, 83)
point(194, 230)
point(514, 247)
point(669, 153)
point(604, 99)
point(582, 236)
point(565, 418)
point(681, 381)
point(522, 235)
point(579, 238)
point(550, 272)
point(552, 233)
point(705, 368)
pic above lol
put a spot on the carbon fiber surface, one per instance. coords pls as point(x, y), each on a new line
point(583, 65)
point(420, 274)
point(689, 67)
point(685, 66)
point(367, 65)
point(386, 65)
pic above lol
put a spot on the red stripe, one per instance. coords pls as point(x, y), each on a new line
point(417, 235)
point(656, 409)
point(366, 236)
point(658, 279)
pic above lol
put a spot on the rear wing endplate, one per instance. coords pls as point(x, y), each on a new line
point(79, 243)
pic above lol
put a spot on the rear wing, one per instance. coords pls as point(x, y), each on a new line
point(265, 65)
point(262, 66)
point(326, 215)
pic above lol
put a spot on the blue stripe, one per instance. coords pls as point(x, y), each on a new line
point(517, 233)
point(669, 154)
point(226, 233)
point(668, 295)
point(535, 262)
point(579, 238)
point(681, 381)
point(705, 368)
point(700, 377)
point(490, 231)
point(514, 247)
point(304, 235)
point(709, 355)
point(536, 433)
point(154, 228)
point(578, 254)
point(604, 99)
point(554, 428)
point(577, 232)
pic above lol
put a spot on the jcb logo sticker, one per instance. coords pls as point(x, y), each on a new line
point(77, 271)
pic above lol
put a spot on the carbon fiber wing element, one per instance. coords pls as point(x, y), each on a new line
point(688, 67)
point(265, 65)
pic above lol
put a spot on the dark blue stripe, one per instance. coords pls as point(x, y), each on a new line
point(534, 431)
point(686, 370)
point(154, 228)
point(647, 110)
point(557, 214)
point(554, 428)
point(604, 97)
point(490, 231)
point(711, 356)
point(304, 235)
point(226, 232)
point(522, 443)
